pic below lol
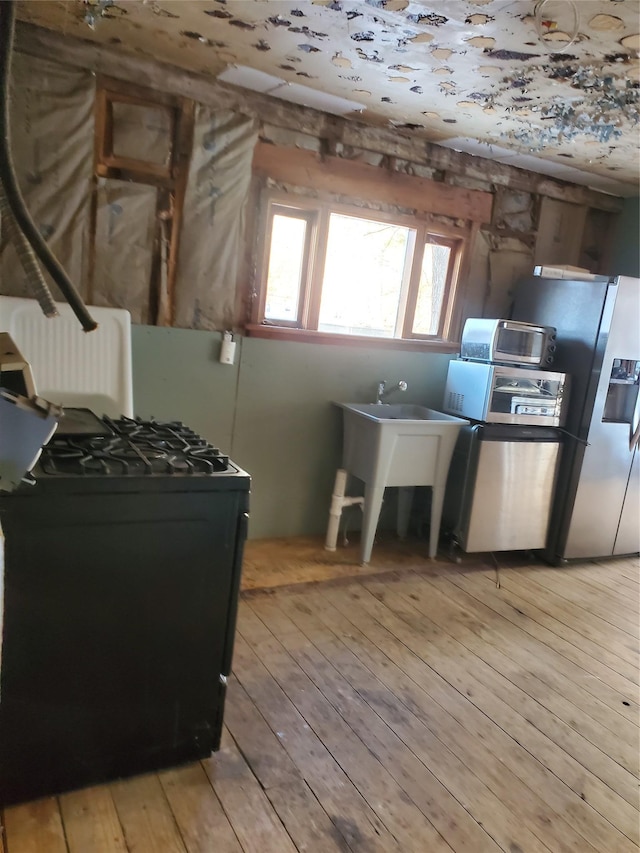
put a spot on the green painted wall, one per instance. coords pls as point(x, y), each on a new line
point(625, 253)
point(177, 376)
point(272, 410)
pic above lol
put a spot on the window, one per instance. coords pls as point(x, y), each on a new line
point(354, 272)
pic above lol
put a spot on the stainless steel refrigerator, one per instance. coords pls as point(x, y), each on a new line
point(596, 511)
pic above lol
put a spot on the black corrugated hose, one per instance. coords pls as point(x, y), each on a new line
point(11, 189)
point(36, 283)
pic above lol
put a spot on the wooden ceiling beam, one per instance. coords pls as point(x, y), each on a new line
point(360, 180)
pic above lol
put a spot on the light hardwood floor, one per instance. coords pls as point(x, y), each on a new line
point(425, 710)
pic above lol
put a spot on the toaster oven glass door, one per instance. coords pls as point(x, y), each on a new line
point(518, 345)
point(528, 398)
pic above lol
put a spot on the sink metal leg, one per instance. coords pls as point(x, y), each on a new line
point(372, 505)
point(405, 499)
point(437, 501)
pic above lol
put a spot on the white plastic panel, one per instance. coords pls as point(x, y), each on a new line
point(71, 367)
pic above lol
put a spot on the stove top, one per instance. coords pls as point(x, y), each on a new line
point(133, 447)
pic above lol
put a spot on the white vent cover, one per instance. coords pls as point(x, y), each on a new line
point(455, 402)
point(71, 367)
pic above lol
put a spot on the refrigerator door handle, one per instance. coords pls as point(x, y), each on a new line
point(634, 427)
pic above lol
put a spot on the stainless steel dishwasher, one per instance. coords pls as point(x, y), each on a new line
point(500, 487)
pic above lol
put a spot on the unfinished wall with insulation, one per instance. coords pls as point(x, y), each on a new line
point(52, 131)
point(109, 234)
point(212, 234)
point(108, 227)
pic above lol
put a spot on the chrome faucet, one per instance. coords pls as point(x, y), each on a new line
point(384, 392)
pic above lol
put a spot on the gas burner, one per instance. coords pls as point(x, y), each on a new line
point(135, 448)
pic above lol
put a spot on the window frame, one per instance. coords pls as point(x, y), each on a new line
point(316, 211)
point(310, 239)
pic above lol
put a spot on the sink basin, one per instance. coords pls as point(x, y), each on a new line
point(398, 444)
point(381, 412)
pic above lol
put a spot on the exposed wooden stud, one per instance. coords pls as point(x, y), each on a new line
point(180, 168)
point(126, 168)
point(158, 305)
point(101, 137)
point(130, 92)
point(253, 244)
point(134, 174)
point(103, 126)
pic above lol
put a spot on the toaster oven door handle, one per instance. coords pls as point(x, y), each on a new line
point(518, 326)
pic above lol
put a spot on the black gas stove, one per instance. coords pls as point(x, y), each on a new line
point(122, 574)
point(97, 455)
point(130, 447)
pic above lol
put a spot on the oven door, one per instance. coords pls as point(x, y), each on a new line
point(534, 397)
point(520, 343)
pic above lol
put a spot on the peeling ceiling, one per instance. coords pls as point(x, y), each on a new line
point(553, 85)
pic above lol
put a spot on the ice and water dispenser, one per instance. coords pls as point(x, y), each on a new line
point(621, 404)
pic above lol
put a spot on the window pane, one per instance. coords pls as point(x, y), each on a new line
point(285, 268)
point(433, 278)
point(363, 276)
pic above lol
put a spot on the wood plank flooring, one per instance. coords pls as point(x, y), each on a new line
point(423, 709)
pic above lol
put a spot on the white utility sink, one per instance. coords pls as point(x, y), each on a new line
point(383, 412)
point(405, 445)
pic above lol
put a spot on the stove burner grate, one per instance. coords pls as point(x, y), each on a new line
point(135, 448)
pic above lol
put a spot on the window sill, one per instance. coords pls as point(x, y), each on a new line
point(283, 333)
